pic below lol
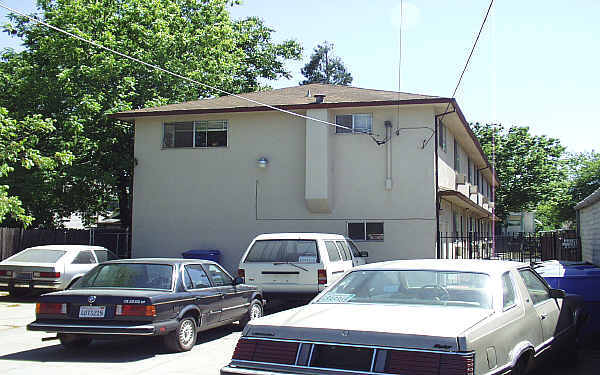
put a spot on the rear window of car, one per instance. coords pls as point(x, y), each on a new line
point(412, 287)
point(297, 251)
point(128, 276)
point(38, 256)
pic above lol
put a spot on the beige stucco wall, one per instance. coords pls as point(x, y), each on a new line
point(218, 199)
point(589, 219)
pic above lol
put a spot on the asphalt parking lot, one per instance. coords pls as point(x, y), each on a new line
point(23, 352)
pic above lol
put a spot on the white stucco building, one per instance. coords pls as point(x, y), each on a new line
point(588, 224)
point(199, 184)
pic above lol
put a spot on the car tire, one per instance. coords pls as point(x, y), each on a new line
point(184, 337)
point(18, 292)
point(255, 311)
point(73, 341)
point(521, 366)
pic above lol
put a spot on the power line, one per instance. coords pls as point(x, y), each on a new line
point(156, 67)
point(487, 13)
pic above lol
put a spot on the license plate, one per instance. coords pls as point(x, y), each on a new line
point(92, 311)
point(24, 275)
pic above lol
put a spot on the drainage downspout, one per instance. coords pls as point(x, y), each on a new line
point(388, 145)
point(437, 186)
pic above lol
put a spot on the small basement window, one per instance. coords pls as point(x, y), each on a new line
point(359, 123)
point(366, 231)
point(195, 134)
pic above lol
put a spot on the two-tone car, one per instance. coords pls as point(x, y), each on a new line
point(49, 267)
point(443, 317)
point(172, 298)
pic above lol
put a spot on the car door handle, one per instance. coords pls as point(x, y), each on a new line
point(543, 316)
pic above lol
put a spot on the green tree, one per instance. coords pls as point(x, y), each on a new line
point(79, 85)
point(530, 167)
point(324, 67)
point(18, 147)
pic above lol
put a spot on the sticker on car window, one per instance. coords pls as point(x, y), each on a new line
point(336, 298)
point(307, 259)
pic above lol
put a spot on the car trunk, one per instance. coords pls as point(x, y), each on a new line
point(24, 271)
point(277, 277)
point(91, 306)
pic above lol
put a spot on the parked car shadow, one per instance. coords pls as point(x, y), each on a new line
point(110, 351)
point(26, 299)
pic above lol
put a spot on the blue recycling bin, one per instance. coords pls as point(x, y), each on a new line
point(214, 255)
point(576, 278)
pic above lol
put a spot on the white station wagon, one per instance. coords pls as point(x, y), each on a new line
point(298, 265)
point(416, 317)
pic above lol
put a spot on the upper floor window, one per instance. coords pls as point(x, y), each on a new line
point(195, 134)
point(442, 135)
point(359, 123)
point(456, 156)
point(469, 167)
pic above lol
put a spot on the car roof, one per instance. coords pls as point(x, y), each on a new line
point(67, 247)
point(171, 261)
point(460, 265)
point(300, 236)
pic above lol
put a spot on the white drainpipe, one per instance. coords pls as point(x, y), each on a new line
point(388, 145)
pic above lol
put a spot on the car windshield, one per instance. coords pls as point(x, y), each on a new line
point(128, 276)
point(412, 287)
point(297, 251)
point(38, 256)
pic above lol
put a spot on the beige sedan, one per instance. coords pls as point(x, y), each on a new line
point(417, 317)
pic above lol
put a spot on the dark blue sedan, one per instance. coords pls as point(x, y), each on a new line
point(173, 298)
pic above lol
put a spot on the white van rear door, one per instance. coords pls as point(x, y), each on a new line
point(283, 265)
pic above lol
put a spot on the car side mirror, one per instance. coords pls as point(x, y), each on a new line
point(364, 254)
point(557, 293)
point(238, 280)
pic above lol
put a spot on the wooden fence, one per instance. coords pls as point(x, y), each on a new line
point(13, 240)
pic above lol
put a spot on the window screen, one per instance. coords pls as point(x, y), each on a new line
point(375, 231)
point(360, 123)
point(332, 251)
point(356, 231)
point(301, 251)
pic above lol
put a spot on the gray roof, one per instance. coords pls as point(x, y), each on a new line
point(589, 200)
point(287, 98)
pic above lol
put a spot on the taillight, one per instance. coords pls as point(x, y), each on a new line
point(452, 364)
point(5, 273)
point(50, 308)
point(54, 275)
point(322, 277)
point(135, 310)
point(242, 272)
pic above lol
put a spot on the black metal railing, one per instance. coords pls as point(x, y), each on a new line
point(521, 247)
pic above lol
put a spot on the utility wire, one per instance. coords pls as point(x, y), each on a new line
point(156, 67)
point(466, 65)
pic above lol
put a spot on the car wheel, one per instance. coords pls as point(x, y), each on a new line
point(255, 311)
point(18, 292)
point(72, 341)
point(184, 337)
point(521, 366)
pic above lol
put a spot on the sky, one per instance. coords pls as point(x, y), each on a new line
point(536, 63)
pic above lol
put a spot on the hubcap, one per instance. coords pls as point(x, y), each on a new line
point(186, 333)
point(255, 312)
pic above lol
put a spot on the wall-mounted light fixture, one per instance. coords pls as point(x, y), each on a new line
point(262, 162)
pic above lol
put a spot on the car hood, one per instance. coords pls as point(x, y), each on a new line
point(421, 326)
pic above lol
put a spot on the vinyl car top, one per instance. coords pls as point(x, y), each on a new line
point(491, 267)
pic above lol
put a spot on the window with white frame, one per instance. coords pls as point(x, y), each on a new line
point(195, 134)
point(442, 136)
point(365, 231)
point(355, 123)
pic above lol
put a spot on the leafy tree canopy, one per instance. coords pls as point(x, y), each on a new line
point(78, 85)
point(324, 67)
point(18, 147)
point(530, 167)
